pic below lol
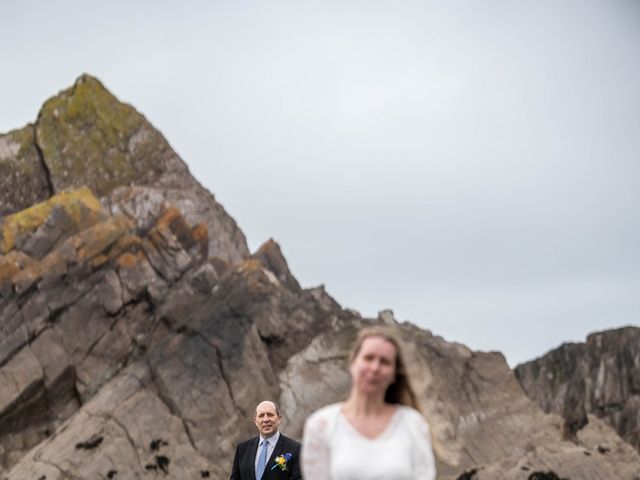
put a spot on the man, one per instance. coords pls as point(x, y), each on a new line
point(270, 455)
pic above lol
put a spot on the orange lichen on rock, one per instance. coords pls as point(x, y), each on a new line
point(128, 260)
point(101, 236)
point(83, 247)
point(12, 263)
point(256, 277)
point(23, 279)
point(173, 221)
point(250, 266)
point(168, 217)
point(200, 233)
point(127, 243)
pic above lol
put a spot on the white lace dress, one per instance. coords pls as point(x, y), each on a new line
point(332, 449)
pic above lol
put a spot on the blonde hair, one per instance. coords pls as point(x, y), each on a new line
point(400, 391)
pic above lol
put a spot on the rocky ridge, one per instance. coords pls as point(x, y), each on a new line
point(138, 334)
point(600, 377)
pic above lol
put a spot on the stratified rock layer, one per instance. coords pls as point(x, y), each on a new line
point(600, 377)
point(77, 288)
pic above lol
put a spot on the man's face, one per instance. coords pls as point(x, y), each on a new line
point(267, 419)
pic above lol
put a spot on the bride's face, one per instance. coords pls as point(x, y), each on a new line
point(374, 367)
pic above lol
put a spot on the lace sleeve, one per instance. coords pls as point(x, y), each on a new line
point(423, 460)
point(315, 447)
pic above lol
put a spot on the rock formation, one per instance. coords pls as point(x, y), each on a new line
point(600, 377)
point(85, 137)
point(137, 334)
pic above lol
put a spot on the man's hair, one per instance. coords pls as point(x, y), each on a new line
point(400, 391)
point(270, 401)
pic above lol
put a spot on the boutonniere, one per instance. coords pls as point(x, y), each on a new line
point(282, 461)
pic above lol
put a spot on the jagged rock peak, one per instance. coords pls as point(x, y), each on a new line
point(85, 137)
point(270, 256)
point(89, 138)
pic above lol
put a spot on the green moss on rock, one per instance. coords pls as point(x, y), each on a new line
point(88, 137)
point(81, 205)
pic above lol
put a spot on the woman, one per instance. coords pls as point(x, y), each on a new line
point(377, 433)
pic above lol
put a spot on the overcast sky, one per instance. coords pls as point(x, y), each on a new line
point(474, 166)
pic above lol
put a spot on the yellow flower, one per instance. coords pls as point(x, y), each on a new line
point(281, 461)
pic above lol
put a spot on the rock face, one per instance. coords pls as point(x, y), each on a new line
point(77, 289)
point(600, 377)
point(134, 343)
point(23, 176)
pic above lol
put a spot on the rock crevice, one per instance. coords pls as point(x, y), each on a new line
point(47, 174)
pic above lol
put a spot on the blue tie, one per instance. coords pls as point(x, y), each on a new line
point(262, 461)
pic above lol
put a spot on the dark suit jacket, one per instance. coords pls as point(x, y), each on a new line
point(244, 461)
